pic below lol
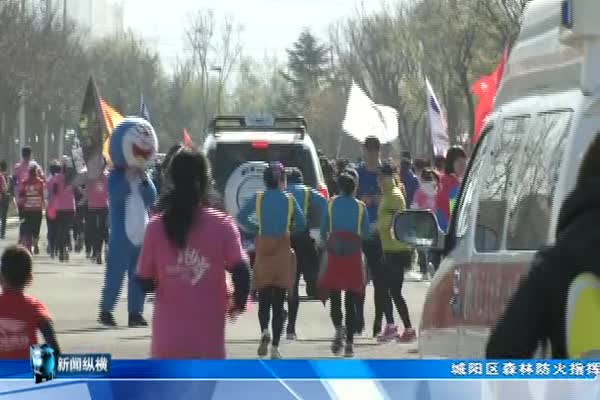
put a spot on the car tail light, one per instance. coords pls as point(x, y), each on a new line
point(261, 145)
point(323, 190)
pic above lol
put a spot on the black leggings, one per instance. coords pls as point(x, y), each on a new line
point(308, 262)
point(63, 224)
point(395, 265)
point(350, 302)
point(4, 203)
point(96, 229)
point(32, 222)
point(271, 298)
point(383, 304)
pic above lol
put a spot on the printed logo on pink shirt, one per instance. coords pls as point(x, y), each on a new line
point(191, 266)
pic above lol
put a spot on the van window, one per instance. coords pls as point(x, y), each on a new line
point(466, 203)
point(229, 156)
point(493, 194)
point(530, 202)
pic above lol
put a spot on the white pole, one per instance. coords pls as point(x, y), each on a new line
point(22, 141)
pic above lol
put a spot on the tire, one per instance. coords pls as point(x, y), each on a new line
point(243, 183)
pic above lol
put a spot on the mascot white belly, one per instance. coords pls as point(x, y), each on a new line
point(136, 216)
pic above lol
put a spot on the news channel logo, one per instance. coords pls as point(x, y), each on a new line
point(43, 363)
point(46, 364)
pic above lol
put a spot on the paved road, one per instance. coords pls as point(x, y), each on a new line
point(72, 291)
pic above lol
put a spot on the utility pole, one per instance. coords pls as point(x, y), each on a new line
point(22, 141)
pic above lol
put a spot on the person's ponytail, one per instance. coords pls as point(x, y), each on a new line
point(189, 175)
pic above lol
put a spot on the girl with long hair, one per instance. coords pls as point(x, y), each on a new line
point(187, 249)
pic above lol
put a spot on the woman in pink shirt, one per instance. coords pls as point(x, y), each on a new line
point(64, 203)
point(96, 221)
point(187, 249)
point(425, 196)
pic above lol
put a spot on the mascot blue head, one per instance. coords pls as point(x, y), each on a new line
point(133, 144)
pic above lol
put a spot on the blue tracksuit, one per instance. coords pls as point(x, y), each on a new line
point(274, 211)
point(369, 191)
point(411, 184)
point(315, 199)
point(345, 217)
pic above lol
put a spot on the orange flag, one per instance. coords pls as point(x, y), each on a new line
point(112, 118)
point(187, 140)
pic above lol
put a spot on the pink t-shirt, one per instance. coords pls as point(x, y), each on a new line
point(64, 199)
point(97, 192)
point(191, 295)
point(423, 201)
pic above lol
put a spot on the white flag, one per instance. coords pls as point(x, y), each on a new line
point(437, 123)
point(365, 118)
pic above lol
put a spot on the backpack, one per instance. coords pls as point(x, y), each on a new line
point(582, 318)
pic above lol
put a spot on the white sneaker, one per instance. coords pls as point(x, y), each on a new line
point(263, 347)
point(275, 354)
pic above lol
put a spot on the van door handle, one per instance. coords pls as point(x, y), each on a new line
point(456, 301)
point(456, 305)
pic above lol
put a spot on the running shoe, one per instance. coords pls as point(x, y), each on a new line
point(291, 336)
point(338, 343)
point(36, 249)
point(389, 333)
point(137, 321)
point(263, 347)
point(409, 335)
point(349, 350)
point(107, 319)
point(275, 354)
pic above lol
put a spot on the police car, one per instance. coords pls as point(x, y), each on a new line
point(239, 148)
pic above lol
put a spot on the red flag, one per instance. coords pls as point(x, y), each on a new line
point(485, 89)
point(187, 140)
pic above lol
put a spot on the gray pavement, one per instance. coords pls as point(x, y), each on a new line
point(71, 291)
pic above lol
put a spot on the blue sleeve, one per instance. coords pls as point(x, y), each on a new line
point(366, 225)
point(299, 218)
point(244, 214)
point(318, 199)
point(325, 224)
point(148, 192)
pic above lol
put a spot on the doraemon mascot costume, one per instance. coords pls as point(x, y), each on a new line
point(131, 193)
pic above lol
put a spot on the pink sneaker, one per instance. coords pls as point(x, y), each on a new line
point(407, 336)
point(389, 333)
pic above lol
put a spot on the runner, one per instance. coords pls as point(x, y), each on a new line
point(51, 223)
point(21, 316)
point(369, 192)
point(313, 204)
point(187, 249)
point(397, 255)
point(425, 198)
point(96, 223)
point(31, 196)
point(65, 211)
point(275, 264)
point(21, 173)
point(4, 198)
point(455, 168)
point(345, 223)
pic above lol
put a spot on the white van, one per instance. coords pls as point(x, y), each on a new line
point(547, 114)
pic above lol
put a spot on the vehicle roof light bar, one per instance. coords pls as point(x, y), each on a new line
point(260, 123)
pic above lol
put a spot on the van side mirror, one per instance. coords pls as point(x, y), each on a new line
point(418, 228)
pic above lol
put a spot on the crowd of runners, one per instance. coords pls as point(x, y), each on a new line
point(190, 232)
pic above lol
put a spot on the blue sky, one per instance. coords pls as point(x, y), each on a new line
point(270, 26)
